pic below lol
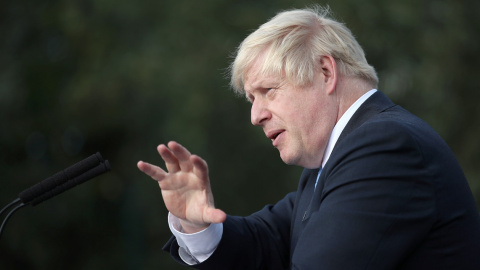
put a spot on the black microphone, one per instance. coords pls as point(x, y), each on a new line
point(72, 176)
point(99, 169)
point(60, 178)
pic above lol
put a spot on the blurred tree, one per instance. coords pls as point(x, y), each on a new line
point(120, 77)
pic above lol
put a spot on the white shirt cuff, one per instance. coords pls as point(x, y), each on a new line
point(196, 247)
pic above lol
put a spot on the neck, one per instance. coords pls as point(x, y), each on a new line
point(349, 90)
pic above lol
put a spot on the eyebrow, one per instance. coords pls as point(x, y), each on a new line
point(264, 84)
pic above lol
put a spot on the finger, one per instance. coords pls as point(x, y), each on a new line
point(171, 162)
point(151, 170)
point(200, 167)
point(182, 155)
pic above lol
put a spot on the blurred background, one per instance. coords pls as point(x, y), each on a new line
point(120, 77)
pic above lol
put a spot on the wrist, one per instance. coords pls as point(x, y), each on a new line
point(189, 227)
point(199, 246)
point(184, 227)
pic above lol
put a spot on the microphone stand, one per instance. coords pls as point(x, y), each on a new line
point(19, 204)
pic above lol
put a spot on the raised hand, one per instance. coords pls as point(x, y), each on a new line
point(185, 187)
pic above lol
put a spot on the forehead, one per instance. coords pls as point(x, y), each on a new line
point(256, 77)
point(255, 81)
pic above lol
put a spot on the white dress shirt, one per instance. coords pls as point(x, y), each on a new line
point(197, 247)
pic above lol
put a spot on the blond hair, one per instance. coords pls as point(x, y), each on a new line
point(296, 40)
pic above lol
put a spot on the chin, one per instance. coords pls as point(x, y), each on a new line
point(298, 161)
point(289, 159)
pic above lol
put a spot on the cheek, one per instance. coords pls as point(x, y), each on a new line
point(315, 126)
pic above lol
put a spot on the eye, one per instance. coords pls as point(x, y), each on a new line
point(269, 92)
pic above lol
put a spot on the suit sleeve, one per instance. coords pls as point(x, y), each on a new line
point(377, 202)
point(259, 241)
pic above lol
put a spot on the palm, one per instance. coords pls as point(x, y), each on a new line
point(186, 187)
point(185, 195)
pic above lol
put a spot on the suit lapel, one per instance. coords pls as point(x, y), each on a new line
point(303, 202)
point(309, 200)
point(377, 103)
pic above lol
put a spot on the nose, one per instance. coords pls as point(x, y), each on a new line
point(259, 112)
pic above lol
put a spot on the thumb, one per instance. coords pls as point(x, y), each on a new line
point(213, 215)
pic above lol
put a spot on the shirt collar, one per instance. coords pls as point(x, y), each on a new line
point(338, 128)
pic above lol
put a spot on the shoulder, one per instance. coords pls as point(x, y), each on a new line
point(391, 144)
point(394, 128)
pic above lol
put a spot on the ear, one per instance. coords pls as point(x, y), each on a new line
point(328, 68)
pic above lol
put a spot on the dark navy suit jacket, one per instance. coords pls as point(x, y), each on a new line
point(391, 196)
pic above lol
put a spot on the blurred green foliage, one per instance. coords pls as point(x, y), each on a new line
point(120, 77)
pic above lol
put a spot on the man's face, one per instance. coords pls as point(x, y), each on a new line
point(298, 120)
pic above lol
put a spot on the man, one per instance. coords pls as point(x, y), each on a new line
point(380, 189)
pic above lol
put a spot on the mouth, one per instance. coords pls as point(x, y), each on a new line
point(274, 134)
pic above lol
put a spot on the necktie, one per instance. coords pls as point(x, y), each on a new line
point(306, 214)
point(318, 176)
